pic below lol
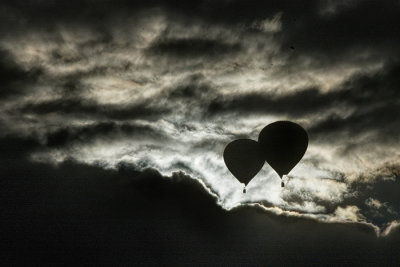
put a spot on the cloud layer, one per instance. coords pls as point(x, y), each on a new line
point(167, 86)
point(75, 213)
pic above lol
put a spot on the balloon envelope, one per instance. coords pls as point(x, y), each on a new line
point(244, 159)
point(283, 144)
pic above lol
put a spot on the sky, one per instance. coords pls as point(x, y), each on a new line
point(114, 116)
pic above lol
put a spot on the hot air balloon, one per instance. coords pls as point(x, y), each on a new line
point(244, 159)
point(283, 144)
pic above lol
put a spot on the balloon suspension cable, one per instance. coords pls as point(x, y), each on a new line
point(244, 190)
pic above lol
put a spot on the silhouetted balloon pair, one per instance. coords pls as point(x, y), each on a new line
point(282, 144)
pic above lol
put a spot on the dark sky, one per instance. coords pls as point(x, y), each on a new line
point(114, 116)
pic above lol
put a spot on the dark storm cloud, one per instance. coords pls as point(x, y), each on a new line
point(366, 27)
point(128, 216)
point(371, 99)
point(382, 121)
point(44, 11)
point(305, 22)
point(300, 103)
point(86, 108)
point(104, 130)
point(378, 198)
point(14, 79)
point(193, 48)
point(360, 25)
point(193, 87)
point(375, 100)
point(15, 149)
point(77, 53)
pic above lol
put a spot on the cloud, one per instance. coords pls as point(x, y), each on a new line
point(192, 48)
point(78, 107)
point(105, 130)
point(13, 78)
point(330, 36)
point(373, 99)
point(348, 214)
point(91, 209)
point(269, 25)
point(292, 103)
point(166, 86)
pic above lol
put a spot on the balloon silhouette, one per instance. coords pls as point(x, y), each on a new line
point(283, 144)
point(244, 159)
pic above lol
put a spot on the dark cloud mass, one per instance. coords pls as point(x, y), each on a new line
point(373, 100)
point(77, 107)
point(193, 48)
point(80, 214)
point(12, 77)
point(85, 134)
point(114, 116)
